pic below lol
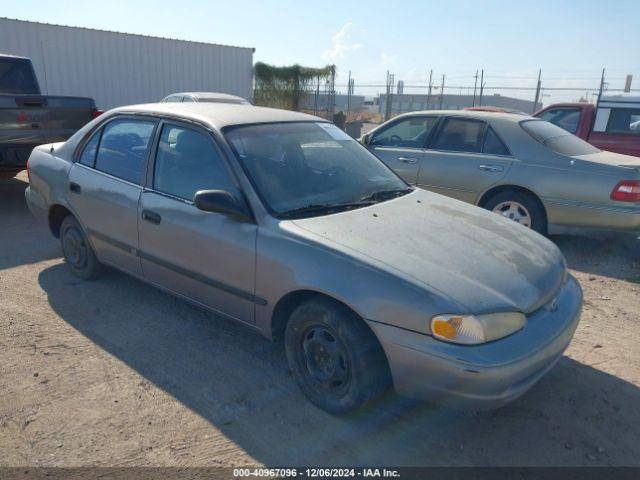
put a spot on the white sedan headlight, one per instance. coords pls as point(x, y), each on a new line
point(475, 329)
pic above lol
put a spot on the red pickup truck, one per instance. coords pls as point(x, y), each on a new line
point(612, 125)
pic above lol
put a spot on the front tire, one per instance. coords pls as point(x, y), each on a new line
point(521, 207)
point(335, 358)
point(77, 251)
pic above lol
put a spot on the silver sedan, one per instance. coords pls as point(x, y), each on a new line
point(282, 222)
point(522, 168)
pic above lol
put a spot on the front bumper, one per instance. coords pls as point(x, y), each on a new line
point(482, 376)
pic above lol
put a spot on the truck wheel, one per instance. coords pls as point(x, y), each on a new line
point(77, 251)
point(335, 359)
point(520, 207)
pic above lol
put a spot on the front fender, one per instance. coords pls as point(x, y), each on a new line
point(287, 263)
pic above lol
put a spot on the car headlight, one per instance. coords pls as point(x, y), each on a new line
point(475, 329)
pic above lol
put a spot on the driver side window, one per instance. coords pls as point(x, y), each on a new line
point(187, 161)
point(411, 132)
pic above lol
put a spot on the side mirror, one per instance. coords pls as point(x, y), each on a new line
point(366, 139)
point(223, 202)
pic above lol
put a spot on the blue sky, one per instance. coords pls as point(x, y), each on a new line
point(570, 40)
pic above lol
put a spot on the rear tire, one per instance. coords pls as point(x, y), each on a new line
point(77, 251)
point(335, 358)
point(521, 207)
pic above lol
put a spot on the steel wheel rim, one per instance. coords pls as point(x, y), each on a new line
point(74, 247)
point(325, 360)
point(514, 211)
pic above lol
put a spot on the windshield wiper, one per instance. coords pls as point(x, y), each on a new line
point(324, 208)
point(386, 195)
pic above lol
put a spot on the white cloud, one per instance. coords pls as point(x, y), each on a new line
point(342, 43)
point(388, 60)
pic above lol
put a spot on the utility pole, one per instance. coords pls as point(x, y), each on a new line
point(430, 85)
point(481, 87)
point(601, 86)
point(537, 98)
point(349, 95)
point(315, 104)
point(390, 82)
point(475, 85)
point(442, 93)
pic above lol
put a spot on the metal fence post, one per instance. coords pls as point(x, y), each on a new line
point(349, 95)
point(429, 91)
point(537, 98)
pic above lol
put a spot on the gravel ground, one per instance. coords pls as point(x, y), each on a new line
point(115, 373)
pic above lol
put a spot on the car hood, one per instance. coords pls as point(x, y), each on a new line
point(476, 258)
point(611, 158)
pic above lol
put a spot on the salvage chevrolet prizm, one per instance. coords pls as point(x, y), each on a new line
point(281, 221)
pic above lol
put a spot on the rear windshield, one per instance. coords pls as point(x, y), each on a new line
point(16, 76)
point(557, 139)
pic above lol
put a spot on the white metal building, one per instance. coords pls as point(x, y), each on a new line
point(119, 68)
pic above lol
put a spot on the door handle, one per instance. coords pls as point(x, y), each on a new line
point(74, 187)
point(491, 168)
point(151, 217)
point(408, 159)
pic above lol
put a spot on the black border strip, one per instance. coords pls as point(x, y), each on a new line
point(182, 271)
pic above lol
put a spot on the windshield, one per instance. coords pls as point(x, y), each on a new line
point(308, 169)
point(557, 139)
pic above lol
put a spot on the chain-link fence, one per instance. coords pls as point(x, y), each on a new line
point(380, 100)
point(351, 104)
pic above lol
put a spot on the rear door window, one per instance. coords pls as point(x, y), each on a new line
point(461, 135)
point(624, 121)
point(88, 156)
point(411, 132)
point(493, 145)
point(124, 148)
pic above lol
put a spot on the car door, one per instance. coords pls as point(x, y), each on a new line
point(105, 183)
point(465, 157)
point(400, 144)
point(207, 257)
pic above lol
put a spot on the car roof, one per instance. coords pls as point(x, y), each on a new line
point(620, 98)
point(208, 95)
point(495, 110)
point(478, 114)
point(219, 115)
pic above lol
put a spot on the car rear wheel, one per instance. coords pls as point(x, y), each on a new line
point(520, 207)
point(335, 358)
point(77, 251)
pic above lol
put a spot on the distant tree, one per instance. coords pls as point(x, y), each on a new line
point(285, 87)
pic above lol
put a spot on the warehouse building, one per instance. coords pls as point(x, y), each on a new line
point(121, 69)
point(403, 103)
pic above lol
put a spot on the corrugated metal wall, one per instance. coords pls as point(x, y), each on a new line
point(120, 69)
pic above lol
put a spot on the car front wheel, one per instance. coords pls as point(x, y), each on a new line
point(335, 358)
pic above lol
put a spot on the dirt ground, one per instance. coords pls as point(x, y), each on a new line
point(115, 373)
